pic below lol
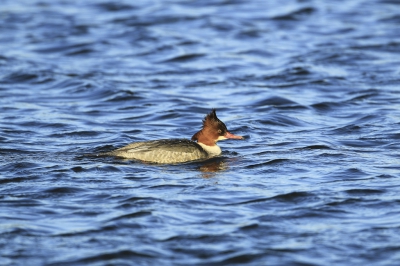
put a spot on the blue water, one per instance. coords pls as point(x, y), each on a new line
point(313, 86)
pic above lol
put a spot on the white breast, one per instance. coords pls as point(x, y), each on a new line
point(211, 150)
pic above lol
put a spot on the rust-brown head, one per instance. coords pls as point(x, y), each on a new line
point(213, 130)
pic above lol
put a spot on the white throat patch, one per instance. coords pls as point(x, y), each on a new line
point(221, 138)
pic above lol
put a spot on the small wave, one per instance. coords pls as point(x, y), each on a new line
point(131, 215)
point(296, 15)
point(111, 257)
point(327, 106)
point(274, 101)
point(115, 7)
point(316, 147)
point(67, 49)
point(364, 192)
point(63, 190)
point(282, 120)
point(347, 174)
point(271, 162)
point(123, 95)
point(31, 77)
point(184, 58)
point(294, 196)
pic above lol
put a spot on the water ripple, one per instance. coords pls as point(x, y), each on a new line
point(312, 85)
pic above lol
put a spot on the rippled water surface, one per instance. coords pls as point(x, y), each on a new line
point(312, 85)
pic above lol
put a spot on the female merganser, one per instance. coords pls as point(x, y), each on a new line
point(180, 150)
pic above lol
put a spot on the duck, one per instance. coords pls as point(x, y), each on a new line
point(202, 145)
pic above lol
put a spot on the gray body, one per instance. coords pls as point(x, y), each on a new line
point(162, 151)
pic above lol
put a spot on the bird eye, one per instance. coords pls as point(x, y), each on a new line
point(219, 131)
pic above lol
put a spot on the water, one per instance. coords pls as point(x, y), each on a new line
point(313, 86)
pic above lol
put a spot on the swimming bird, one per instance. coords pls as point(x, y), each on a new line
point(203, 145)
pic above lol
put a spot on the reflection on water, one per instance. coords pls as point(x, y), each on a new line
point(208, 168)
point(212, 166)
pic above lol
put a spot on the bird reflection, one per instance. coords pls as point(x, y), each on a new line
point(210, 168)
point(213, 167)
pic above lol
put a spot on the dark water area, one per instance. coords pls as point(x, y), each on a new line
point(313, 86)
